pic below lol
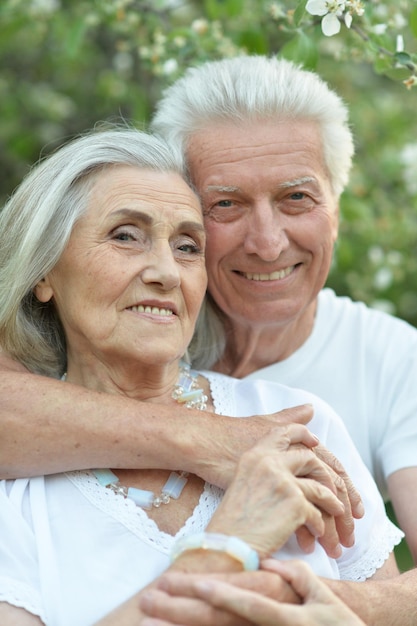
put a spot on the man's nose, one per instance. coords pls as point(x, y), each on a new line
point(266, 235)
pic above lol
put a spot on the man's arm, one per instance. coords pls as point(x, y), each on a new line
point(48, 426)
point(382, 602)
point(402, 487)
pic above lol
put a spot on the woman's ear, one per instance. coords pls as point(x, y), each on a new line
point(43, 290)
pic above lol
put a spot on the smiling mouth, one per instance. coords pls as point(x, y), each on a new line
point(154, 310)
point(279, 275)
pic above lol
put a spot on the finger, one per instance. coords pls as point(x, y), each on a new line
point(300, 434)
point(353, 494)
point(151, 621)
point(267, 583)
point(328, 504)
point(252, 607)
point(344, 522)
point(302, 414)
point(305, 540)
point(301, 577)
point(320, 496)
point(330, 540)
point(184, 611)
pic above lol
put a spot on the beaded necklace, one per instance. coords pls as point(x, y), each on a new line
point(188, 393)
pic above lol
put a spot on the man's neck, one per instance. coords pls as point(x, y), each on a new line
point(250, 348)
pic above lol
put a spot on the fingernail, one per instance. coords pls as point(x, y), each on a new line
point(360, 510)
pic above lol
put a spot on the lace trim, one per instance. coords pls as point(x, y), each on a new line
point(136, 520)
point(381, 545)
point(21, 596)
point(221, 393)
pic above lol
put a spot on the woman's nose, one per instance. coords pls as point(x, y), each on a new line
point(162, 269)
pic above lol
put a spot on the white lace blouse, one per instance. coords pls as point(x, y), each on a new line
point(72, 550)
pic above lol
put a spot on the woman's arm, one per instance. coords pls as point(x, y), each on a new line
point(13, 616)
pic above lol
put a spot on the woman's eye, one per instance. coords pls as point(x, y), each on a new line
point(124, 234)
point(189, 248)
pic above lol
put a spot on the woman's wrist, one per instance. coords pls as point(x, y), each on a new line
point(218, 551)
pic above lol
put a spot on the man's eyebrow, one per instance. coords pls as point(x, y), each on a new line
point(297, 181)
point(222, 188)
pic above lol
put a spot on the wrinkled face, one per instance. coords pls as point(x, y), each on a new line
point(129, 285)
point(270, 215)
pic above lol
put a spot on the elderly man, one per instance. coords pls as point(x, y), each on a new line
point(269, 150)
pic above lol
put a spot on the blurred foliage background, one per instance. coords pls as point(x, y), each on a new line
point(65, 65)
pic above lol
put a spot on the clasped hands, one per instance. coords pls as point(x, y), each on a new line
point(269, 460)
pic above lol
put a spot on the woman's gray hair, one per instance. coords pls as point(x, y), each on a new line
point(36, 224)
point(251, 88)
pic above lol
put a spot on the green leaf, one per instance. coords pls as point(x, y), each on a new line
point(74, 37)
point(413, 21)
point(397, 73)
point(254, 41)
point(299, 12)
point(403, 58)
point(382, 64)
point(218, 9)
point(301, 49)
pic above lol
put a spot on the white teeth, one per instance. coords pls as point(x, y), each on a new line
point(272, 276)
point(151, 309)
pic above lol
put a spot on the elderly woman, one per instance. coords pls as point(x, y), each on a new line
point(101, 283)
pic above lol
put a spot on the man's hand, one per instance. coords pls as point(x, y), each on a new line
point(186, 600)
point(175, 598)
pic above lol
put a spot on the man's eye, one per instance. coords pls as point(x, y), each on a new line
point(297, 195)
point(224, 203)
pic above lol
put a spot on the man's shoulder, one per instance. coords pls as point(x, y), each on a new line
point(344, 310)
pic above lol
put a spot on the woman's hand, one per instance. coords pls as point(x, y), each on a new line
point(273, 495)
point(234, 437)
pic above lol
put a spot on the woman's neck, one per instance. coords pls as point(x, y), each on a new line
point(147, 382)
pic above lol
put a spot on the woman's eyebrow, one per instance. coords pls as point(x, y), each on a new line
point(134, 215)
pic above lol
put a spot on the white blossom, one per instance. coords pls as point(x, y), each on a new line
point(200, 26)
point(169, 67)
point(399, 44)
point(383, 278)
point(333, 11)
point(408, 157)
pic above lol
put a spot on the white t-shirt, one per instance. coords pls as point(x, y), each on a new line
point(71, 550)
point(364, 364)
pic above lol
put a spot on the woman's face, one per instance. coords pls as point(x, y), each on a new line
point(130, 283)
